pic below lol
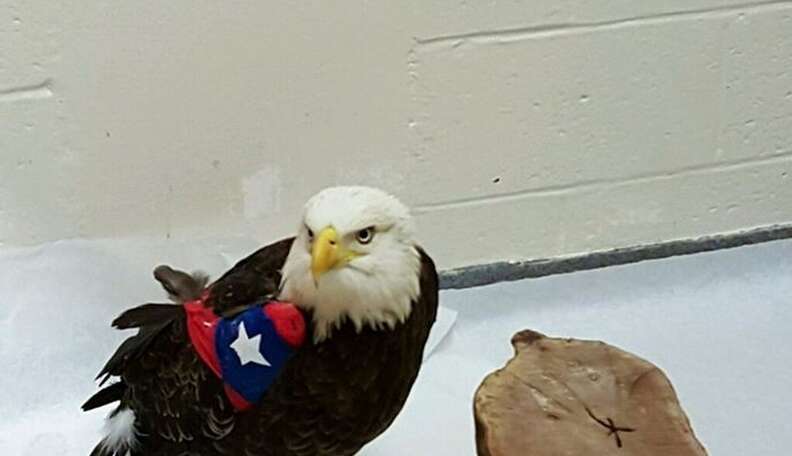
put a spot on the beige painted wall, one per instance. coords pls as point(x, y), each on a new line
point(517, 129)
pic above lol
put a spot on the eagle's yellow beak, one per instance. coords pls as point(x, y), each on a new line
point(327, 253)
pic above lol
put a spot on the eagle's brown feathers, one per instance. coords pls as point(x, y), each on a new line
point(330, 399)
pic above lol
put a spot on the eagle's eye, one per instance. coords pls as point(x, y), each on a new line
point(365, 235)
point(310, 233)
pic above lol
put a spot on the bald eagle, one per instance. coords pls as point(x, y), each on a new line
point(368, 297)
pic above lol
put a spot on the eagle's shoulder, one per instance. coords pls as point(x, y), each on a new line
point(429, 284)
point(255, 278)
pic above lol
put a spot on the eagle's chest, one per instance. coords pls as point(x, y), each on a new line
point(369, 371)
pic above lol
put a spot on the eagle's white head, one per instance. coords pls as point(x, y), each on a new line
point(354, 258)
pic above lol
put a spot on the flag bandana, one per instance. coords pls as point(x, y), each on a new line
point(249, 350)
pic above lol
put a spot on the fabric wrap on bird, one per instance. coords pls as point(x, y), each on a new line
point(247, 351)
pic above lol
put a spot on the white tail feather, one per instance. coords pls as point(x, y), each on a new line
point(120, 429)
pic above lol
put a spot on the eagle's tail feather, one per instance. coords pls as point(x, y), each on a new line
point(146, 314)
point(101, 450)
point(107, 395)
point(121, 434)
point(151, 319)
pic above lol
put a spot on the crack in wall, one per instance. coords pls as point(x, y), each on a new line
point(39, 91)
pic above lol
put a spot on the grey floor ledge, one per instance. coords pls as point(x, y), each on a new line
point(505, 271)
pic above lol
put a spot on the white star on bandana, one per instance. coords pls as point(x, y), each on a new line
point(247, 348)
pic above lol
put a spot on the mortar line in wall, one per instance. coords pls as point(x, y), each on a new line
point(549, 30)
point(505, 271)
point(594, 184)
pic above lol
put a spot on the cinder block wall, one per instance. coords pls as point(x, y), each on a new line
point(517, 129)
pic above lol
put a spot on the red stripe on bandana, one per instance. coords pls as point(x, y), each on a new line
point(201, 326)
point(289, 322)
point(236, 399)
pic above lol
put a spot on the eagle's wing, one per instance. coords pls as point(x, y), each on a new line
point(175, 397)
